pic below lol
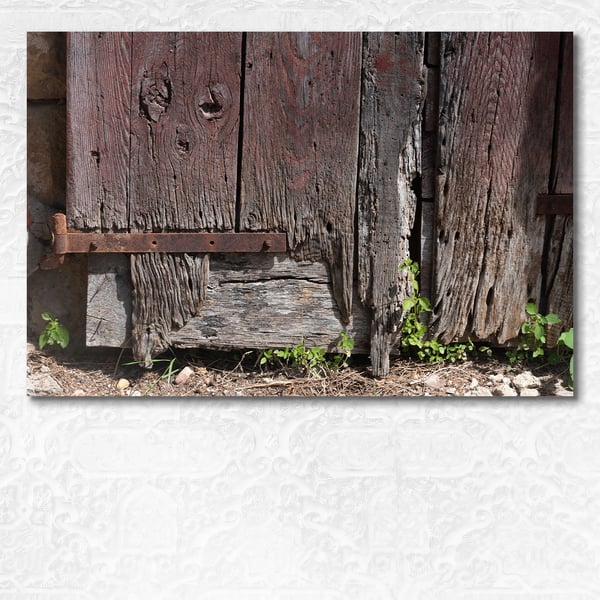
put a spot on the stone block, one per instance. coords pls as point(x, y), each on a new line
point(46, 65)
point(46, 149)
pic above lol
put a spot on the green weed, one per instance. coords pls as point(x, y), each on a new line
point(532, 339)
point(53, 333)
point(414, 340)
point(311, 361)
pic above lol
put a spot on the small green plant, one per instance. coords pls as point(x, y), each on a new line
point(565, 340)
point(414, 330)
point(53, 333)
point(312, 361)
point(531, 344)
point(344, 347)
point(532, 339)
point(413, 327)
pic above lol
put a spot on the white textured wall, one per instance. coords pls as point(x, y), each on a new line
point(298, 500)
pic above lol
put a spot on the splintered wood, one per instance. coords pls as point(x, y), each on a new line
point(390, 166)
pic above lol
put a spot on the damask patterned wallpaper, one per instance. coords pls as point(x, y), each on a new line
point(298, 499)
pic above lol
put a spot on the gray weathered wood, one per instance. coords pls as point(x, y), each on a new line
point(301, 100)
point(497, 109)
point(252, 301)
point(389, 166)
point(184, 136)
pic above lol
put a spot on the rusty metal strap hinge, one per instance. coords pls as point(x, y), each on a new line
point(554, 204)
point(94, 243)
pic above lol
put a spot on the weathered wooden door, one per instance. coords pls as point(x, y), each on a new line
point(232, 132)
point(363, 149)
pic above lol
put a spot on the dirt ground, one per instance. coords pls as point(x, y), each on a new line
point(109, 372)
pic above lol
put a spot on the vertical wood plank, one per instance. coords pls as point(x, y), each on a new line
point(98, 97)
point(301, 104)
point(559, 259)
point(390, 164)
point(186, 90)
point(497, 107)
point(184, 136)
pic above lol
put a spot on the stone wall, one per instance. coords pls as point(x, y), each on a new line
point(62, 291)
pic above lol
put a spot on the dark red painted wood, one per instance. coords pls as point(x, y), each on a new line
point(98, 124)
point(301, 101)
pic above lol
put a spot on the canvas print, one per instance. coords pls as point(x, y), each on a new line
point(300, 214)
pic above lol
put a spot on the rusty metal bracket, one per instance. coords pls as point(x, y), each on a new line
point(94, 243)
point(554, 204)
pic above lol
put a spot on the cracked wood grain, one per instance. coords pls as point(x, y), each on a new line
point(495, 144)
point(301, 101)
point(184, 134)
point(98, 97)
point(251, 301)
point(389, 167)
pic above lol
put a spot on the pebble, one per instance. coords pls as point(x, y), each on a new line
point(529, 392)
point(184, 375)
point(526, 380)
point(482, 390)
point(434, 381)
point(78, 393)
point(504, 389)
point(42, 384)
point(122, 384)
point(561, 391)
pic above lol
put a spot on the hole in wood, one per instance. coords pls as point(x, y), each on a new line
point(210, 109)
point(183, 145)
point(212, 242)
point(329, 227)
point(490, 297)
point(154, 242)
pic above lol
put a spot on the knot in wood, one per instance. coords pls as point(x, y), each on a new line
point(155, 94)
point(213, 102)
